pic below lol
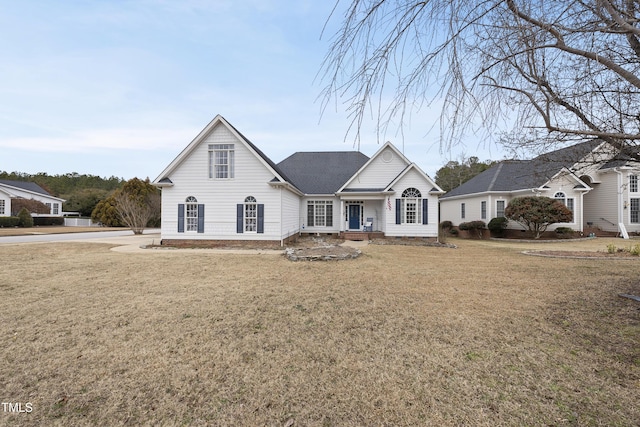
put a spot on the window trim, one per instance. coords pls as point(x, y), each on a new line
point(191, 215)
point(411, 198)
point(500, 210)
point(633, 183)
point(313, 214)
point(214, 164)
point(634, 211)
point(250, 217)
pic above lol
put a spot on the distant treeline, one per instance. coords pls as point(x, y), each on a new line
point(81, 192)
point(59, 185)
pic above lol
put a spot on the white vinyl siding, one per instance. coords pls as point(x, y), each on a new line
point(386, 211)
point(221, 197)
point(379, 172)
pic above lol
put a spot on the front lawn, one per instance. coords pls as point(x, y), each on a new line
point(481, 335)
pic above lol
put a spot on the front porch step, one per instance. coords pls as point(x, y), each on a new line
point(361, 235)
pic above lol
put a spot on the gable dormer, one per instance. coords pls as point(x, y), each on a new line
point(381, 169)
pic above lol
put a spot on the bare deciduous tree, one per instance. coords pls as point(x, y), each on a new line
point(137, 202)
point(558, 71)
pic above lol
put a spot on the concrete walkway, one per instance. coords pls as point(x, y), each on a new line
point(131, 243)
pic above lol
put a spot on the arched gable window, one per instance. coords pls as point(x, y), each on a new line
point(562, 198)
point(411, 206)
point(250, 214)
point(190, 216)
point(191, 213)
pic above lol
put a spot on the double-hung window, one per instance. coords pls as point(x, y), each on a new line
point(500, 208)
point(633, 183)
point(319, 213)
point(562, 198)
point(634, 202)
point(2, 207)
point(463, 209)
point(634, 210)
point(483, 210)
point(221, 161)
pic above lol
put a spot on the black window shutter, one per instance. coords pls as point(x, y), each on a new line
point(181, 218)
point(329, 213)
point(260, 218)
point(239, 218)
point(425, 211)
point(398, 211)
point(200, 218)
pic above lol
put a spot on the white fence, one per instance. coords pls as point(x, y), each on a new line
point(78, 222)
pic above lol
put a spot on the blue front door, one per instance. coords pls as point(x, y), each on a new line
point(354, 217)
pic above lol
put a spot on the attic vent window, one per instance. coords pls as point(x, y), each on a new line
point(387, 156)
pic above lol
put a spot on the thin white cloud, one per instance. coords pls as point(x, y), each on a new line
point(105, 139)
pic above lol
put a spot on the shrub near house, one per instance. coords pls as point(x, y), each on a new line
point(536, 213)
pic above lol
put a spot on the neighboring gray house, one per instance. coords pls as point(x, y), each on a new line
point(600, 188)
point(222, 187)
point(10, 190)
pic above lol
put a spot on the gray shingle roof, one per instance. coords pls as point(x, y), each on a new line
point(264, 156)
point(512, 175)
point(25, 185)
point(321, 172)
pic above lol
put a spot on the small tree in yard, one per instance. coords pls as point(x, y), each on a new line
point(537, 213)
point(137, 203)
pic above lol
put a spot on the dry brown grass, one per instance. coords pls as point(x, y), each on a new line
point(480, 335)
point(53, 229)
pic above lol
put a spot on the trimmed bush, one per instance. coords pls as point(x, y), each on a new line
point(48, 220)
point(564, 232)
point(26, 220)
point(497, 225)
point(9, 221)
point(446, 225)
point(472, 226)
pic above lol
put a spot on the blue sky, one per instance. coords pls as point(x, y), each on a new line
point(119, 88)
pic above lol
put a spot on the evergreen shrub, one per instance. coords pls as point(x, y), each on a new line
point(26, 220)
point(497, 225)
point(9, 221)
